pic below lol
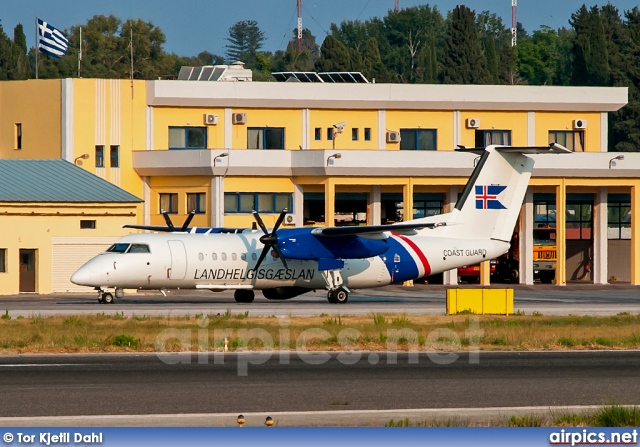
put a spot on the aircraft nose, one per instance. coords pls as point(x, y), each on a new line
point(82, 276)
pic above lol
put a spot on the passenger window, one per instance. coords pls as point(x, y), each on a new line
point(254, 256)
point(201, 256)
point(224, 256)
point(234, 257)
point(243, 256)
point(214, 256)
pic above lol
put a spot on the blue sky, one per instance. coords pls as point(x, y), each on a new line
point(192, 26)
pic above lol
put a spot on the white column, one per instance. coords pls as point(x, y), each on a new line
point(306, 130)
point(146, 205)
point(531, 129)
point(525, 255)
point(382, 130)
point(450, 277)
point(456, 128)
point(604, 132)
point(600, 238)
point(228, 128)
point(67, 150)
point(149, 138)
point(375, 206)
point(217, 201)
point(298, 204)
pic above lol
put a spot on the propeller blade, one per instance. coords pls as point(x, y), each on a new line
point(279, 221)
point(263, 255)
point(187, 221)
point(167, 219)
point(258, 219)
point(277, 250)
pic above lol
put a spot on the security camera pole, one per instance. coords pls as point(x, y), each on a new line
point(338, 130)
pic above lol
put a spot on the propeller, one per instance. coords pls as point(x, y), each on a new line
point(184, 226)
point(270, 240)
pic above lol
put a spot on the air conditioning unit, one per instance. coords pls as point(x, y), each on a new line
point(239, 118)
point(210, 119)
point(473, 123)
point(393, 136)
point(579, 124)
point(289, 219)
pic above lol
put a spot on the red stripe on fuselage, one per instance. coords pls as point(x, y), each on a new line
point(421, 256)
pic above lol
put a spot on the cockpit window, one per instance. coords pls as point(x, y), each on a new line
point(139, 248)
point(118, 248)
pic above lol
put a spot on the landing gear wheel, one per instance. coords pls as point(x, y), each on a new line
point(339, 296)
point(100, 300)
point(107, 298)
point(244, 296)
point(330, 297)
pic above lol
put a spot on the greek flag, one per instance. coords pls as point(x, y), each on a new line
point(51, 41)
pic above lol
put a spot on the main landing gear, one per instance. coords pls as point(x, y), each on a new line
point(244, 296)
point(338, 296)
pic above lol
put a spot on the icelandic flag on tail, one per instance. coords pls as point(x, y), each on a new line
point(51, 41)
point(487, 197)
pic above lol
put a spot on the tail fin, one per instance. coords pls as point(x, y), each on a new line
point(490, 202)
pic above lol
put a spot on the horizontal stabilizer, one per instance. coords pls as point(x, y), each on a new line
point(552, 148)
point(153, 228)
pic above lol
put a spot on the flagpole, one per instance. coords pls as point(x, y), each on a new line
point(37, 46)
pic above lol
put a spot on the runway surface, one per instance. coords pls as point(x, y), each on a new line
point(420, 299)
point(105, 384)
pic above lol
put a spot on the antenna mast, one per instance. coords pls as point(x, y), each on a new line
point(397, 6)
point(299, 26)
point(514, 23)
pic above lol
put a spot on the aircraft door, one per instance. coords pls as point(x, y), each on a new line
point(178, 268)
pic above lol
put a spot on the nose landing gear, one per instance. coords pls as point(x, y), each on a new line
point(338, 296)
point(105, 297)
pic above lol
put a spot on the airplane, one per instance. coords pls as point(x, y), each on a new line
point(284, 263)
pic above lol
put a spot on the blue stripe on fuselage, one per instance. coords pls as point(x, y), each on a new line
point(399, 262)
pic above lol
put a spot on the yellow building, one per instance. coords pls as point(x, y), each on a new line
point(339, 153)
point(54, 216)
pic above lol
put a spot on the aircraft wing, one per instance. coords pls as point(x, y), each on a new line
point(355, 230)
point(552, 148)
point(151, 228)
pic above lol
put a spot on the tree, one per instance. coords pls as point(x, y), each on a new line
point(591, 66)
point(294, 59)
point(245, 39)
point(464, 62)
point(19, 60)
point(508, 71)
point(334, 56)
point(373, 68)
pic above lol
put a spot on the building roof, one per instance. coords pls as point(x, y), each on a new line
point(365, 96)
point(55, 181)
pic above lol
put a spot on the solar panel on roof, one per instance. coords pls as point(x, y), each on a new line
point(206, 73)
point(352, 77)
point(302, 76)
point(195, 74)
point(184, 74)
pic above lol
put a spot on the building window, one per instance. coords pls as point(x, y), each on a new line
point(197, 202)
point(367, 134)
point(354, 134)
point(187, 137)
point(169, 203)
point(318, 133)
point(619, 218)
point(329, 133)
point(579, 220)
point(87, 224)
point(427, 208)
point(571, 139)
point(262, 202)
point(418, 139)
point(3, 260)
point(114, 156)
point(100, 156)
point(18, 137)
point(485, 138)
point(265, 138)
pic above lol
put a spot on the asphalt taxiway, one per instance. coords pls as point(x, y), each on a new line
point(579, 299)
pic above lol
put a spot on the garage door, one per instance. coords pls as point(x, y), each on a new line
point(69, 254)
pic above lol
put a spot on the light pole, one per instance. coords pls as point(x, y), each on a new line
point(336, 155)
point(225, 154)
point(619, 157)
point(82, 157)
